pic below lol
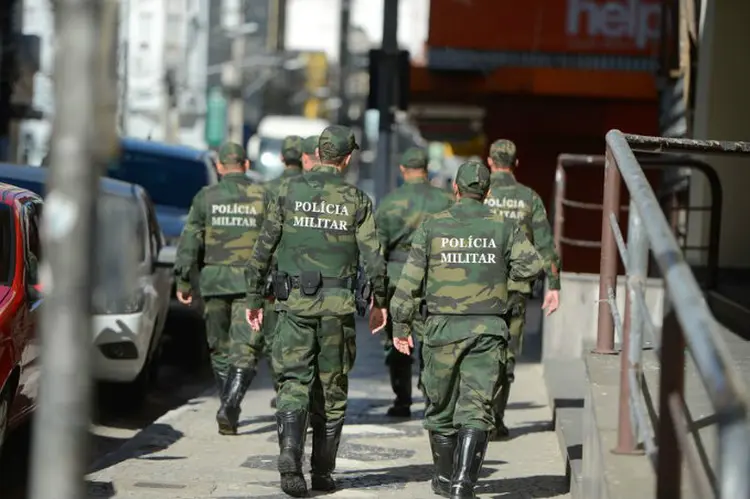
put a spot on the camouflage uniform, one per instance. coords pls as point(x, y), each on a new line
point(462, 264)
point(397, 217)
point(318, 228)
point(222, 226)
point(291, 153)
point(519, 203)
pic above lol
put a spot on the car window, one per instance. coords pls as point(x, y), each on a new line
point(118, 213)
point(7, 245)
point(33, 248)
point(169, 181)
point(154, 231)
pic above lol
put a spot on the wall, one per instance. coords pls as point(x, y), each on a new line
point(721, 112)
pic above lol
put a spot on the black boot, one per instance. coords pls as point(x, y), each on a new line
point(235, 387)
point(501, 431)
point(221, 378)
point(325, 446)
point(400, 371)
point(467, 462)
point(292, 429)
point(443, 448)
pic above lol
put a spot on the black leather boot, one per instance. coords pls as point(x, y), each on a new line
point(221, 378)
point(501, 431)
point(467, 462)
point(443, 447)
point(325, 445)
point(292, 429)
point(238, 381)
point(400, 372)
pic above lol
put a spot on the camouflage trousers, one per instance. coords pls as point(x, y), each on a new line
point(231, 341)
point(461, 379)
point(516, 323)
point(313, 357)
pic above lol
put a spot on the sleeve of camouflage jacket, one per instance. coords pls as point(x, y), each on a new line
point(371, 252)
point(408, 294)
point(524, 261)
point(265, 246)
point(381, 225)
point(544, 242)
point(191, 243)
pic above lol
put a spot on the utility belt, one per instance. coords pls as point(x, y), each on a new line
point(309, 283)
point(398, 256)
point(425, 313)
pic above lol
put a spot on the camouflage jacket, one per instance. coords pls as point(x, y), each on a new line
point(399, 215)
point(318, 223)
point(273, 186)
point(219, 235)
point(463, 261)
point(511, 199)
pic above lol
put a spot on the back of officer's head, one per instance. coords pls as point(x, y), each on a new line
point(472, 181)
point(291, 150)
point(309, 151)
point(335, 145)
point(413, 163)
point(502, 155)
point(232, 158)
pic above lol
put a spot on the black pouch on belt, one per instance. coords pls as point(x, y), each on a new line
point(310, 282)
point(281, 285)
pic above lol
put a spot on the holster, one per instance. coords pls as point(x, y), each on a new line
point(268, 289)
point(423, 313)
point(363, 295)
point(310, 282)
point(282, 285)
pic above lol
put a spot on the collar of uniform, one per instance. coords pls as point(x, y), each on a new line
point(290, 171)
point(320, 168)
point(502, 178)
point(469, 204)
point(233, 176)
point(416, 180)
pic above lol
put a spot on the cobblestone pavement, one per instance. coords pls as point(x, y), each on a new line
point(181, 455)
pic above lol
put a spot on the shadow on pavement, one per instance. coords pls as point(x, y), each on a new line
point(155, 438)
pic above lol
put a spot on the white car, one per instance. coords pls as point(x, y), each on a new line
point(129, 317)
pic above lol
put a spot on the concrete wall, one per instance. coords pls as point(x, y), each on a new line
point(721, 112)
point(572, 328)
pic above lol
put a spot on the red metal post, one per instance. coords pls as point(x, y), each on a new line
point(605, 337)
point(672, 381)
point(626, 441)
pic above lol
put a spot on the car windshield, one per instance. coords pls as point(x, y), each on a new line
point(169, 181)
point(120, 227)
point(269, 158)
point(6, 245)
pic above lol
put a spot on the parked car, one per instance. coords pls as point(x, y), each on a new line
point(20, 298)
point(127, 332)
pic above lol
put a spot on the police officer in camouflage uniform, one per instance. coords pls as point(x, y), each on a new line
point(397, 217)
point(319, 227)
point(222, 226)
point(519, 203)
point(309, 152)
point(462, 263)
point(291, 156)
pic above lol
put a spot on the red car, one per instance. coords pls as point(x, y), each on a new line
point(20, 297)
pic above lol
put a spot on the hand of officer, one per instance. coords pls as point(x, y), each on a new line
point(551, 302)
point(378, 318)
point(184, 298)
point(404, 345)
point(254, 317)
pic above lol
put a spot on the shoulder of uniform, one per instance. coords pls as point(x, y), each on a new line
point(439, 215)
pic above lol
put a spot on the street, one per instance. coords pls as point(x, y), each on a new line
point(181, 377)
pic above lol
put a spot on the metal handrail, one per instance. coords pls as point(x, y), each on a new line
point(689, 323)
point(657, 161)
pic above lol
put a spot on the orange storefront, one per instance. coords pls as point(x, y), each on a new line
point(553, 76)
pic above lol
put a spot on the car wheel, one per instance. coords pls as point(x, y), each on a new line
point(4, 416)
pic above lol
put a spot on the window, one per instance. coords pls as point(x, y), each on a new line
point(122, 227)
point(7, 245)
point(168, 180)
point(155, 236)
point(32, 213)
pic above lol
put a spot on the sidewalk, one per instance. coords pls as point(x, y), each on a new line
point(182, 456)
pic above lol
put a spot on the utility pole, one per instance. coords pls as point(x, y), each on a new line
point(84, 138)
point(386, 90)
point(346, 8)
point(232, 74)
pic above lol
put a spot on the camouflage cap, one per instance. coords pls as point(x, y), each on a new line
point(503, 152)
point(473, 177)
point(414, 158)
point(310, 144)
point(335, 142)
point(291, 148)
point(231, 153)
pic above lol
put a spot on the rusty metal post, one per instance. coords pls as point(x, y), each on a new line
point(559, 206)
point(671, 381)
point(605, 337)
point(632, 341)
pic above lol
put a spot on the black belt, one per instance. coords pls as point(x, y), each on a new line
point(398, 256)
point(329, 282)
